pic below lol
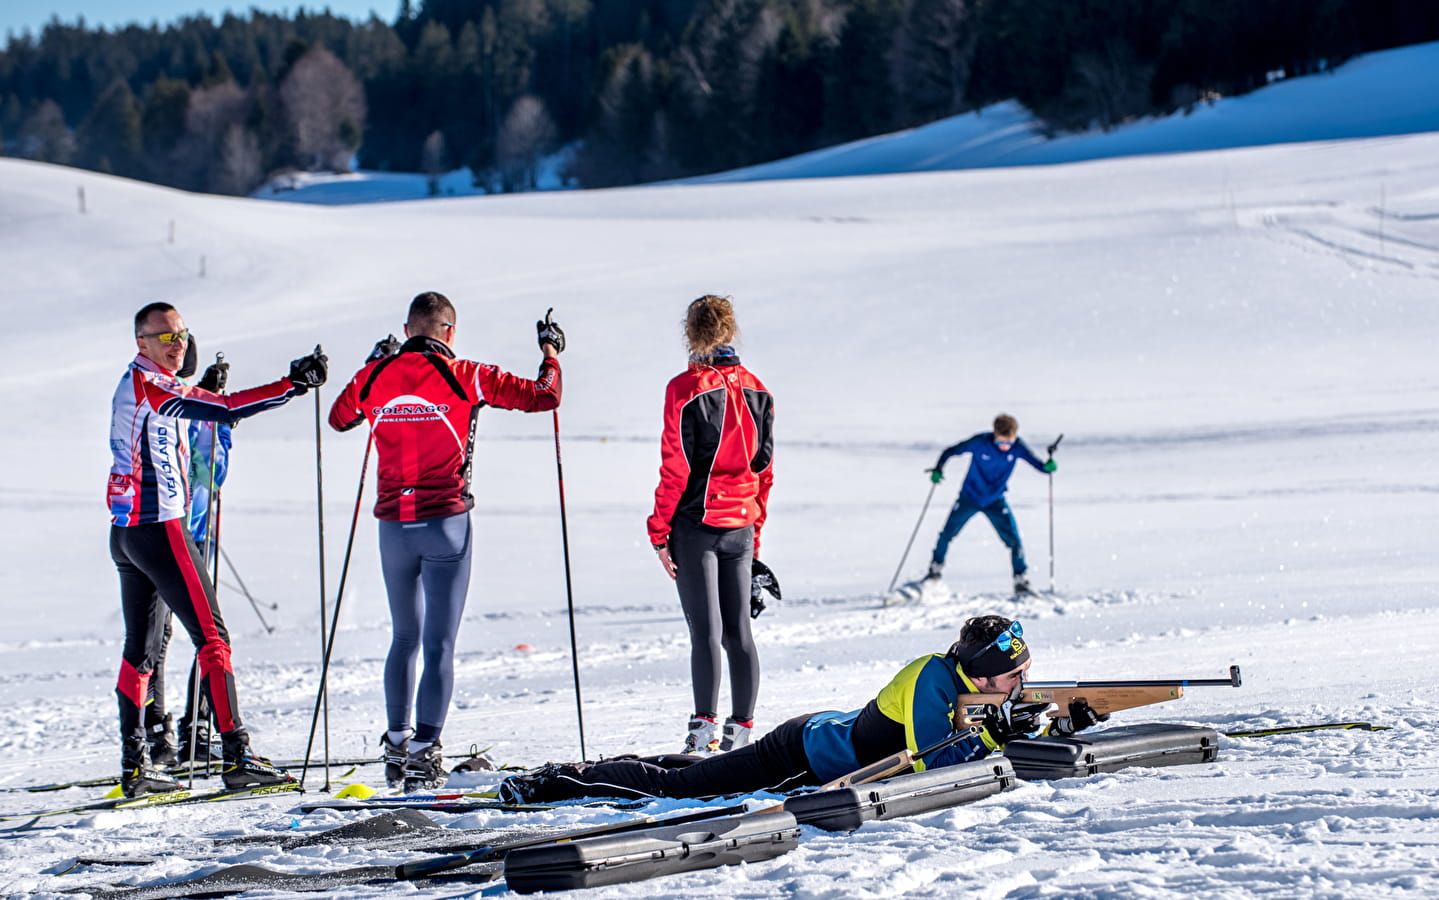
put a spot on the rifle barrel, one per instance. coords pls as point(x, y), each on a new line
point(1232, 681)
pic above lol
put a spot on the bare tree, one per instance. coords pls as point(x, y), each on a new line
point(239, 169)
point(45, 136)
point(525, 137)
point(210, 115)
point(433, 161)
point(324, 109)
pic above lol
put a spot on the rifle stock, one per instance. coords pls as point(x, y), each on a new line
point(1103, 697)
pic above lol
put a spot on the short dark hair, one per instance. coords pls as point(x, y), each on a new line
point(1004, 423)
point(159, 306)
point(977, 634)
point(429, 311)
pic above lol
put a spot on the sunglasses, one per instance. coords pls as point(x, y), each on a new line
point(169, 337)
point(1005, 639)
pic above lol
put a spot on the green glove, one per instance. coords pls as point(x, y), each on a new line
point(936, 475)
point(1050, 465)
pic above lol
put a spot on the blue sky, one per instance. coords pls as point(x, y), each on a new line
point(17, 15)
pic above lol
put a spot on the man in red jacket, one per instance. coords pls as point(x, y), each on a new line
point(423, 405)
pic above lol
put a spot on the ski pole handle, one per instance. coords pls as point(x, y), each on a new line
point(1055, 446)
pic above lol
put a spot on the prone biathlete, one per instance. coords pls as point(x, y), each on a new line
point(917, 709)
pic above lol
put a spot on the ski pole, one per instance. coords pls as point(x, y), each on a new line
point(928, 497)
point(569, 589)
point(321, 699)
point(1052, 447)
point(195, 718)
point(334, 624)
point(245, 589)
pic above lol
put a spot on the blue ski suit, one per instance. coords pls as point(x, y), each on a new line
point(983, 492)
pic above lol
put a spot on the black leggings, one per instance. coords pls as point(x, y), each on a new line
point(160, 567)
point(713, 579)
point(775, 762)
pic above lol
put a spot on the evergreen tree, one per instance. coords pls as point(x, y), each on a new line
point(109, 140)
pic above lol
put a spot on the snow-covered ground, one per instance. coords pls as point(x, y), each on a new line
point(1237, 346)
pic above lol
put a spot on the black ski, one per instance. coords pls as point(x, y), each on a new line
point(166, 798)
point(204, 770)
point(1300, 729)
point(460, 805)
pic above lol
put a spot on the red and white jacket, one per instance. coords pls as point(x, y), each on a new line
point(716, 450)
point(149, 478)
point(423, 406)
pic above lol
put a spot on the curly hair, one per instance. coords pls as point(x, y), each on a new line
point(709, 323)
point(977, 633)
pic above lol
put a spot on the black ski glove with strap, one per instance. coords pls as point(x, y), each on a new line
point(1081, 716)
point(1013, 721)
point(388, 347)
point(760, 579)
point(216, 376)
point(548, 332)
point(309, 371)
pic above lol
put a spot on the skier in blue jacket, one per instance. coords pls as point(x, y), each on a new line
point(992, 458)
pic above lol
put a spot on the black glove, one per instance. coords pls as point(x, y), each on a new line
point(1081, 716)
point(760, 579)
point(1012, 721)
point(550, 333)
point(216, 376)
point(309, 371)
point(388, 347)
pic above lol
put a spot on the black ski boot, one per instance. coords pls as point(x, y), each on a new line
point(550, 782)
point(161, 736)
point(241, 768)
point(424, 769)
point(137, 776)
point(206, 752)
point(396, 755)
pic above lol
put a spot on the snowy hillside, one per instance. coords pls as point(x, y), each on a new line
point(1237, 346)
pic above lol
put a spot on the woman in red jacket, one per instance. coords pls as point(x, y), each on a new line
point(715, 476)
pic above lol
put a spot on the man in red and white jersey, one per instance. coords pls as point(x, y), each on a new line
point(150, 541)
point(423, 405)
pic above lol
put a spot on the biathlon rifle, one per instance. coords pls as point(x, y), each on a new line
point(1104, 697)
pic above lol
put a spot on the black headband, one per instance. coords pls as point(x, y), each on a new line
point(991, 660)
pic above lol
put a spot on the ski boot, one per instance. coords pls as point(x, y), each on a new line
point(552, 781)
point(424, 769)
point(137, 775)
point(206, 753)
point(1021, 586)
point(241, 768)
point(735, 734)
point(396, 755)
point(701, 739)
point(934, 573)
point(161, 737)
